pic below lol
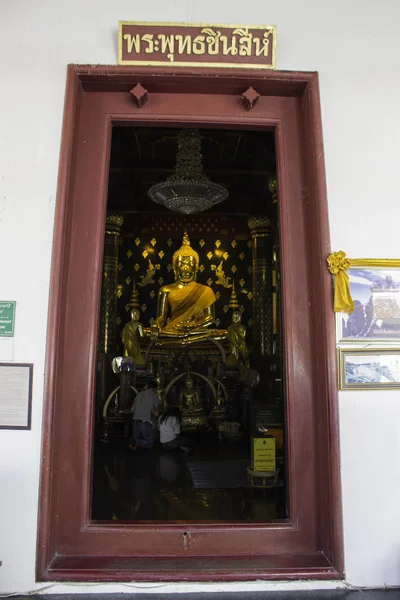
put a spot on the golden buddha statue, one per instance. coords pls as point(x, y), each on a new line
point(130, 335)
point(193, 413)
point(188, 305)
point(237, 337)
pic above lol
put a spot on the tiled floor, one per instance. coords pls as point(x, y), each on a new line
point(156, 485)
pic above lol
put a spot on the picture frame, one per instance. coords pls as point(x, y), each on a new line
point(375, 290)
point(369, 369)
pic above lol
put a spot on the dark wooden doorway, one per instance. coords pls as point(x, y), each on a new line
point(308, 544)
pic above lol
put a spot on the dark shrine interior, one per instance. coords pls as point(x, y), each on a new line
point(240, 405)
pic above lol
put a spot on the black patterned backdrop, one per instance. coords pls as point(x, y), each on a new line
point(148, 243)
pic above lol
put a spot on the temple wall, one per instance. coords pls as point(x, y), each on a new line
point(355, 48)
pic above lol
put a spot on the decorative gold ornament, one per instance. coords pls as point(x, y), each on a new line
point(153, 242)
point(152, 294)
point(134, 301)
point(169, 242)
point(226, 308)
point(242, 255)
point(120, 266)
point(233, 243)
point(233, 301)
point(161, 254)
point(144, 307)
point(201, 243)
point(169, 268)
point(218, 243)
point(119, 291)
point(242, 282)
point(249, 244)
point(249, 269)
point(209, 255)
point(149, 277)
point(160, 280)
point(221, 279)
point(234, 269)
point(128, 280)
point(217, 295)
point(209, 281)
point(137, 241)
point(145, 254)
point(225, 255)
point(338, 265)
point(201, 268)
point(129, 253)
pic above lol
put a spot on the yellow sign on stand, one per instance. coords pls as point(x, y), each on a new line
point(263, 454)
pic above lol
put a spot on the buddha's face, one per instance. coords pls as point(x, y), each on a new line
point(186, 269)
point(135, 314)
point(189, 384)
point(236, 317)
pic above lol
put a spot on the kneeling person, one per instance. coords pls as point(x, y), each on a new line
point(170, 431)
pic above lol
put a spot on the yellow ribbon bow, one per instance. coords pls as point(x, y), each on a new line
point(338, 265)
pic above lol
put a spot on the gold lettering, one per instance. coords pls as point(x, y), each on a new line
point(245, 38)
point(184, 44)
point(232, 49)
point(262, 48)
point(132, 40)
point(199, 46)
point(212, 40)
point(167, 45)
point(148, 38)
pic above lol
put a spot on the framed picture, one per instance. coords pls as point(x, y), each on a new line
point(369, 369)
point(375, 289)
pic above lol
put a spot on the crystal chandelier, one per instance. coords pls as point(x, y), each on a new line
point(188, 190)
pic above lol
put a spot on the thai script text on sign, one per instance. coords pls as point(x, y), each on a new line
point(7, 316)
point(197, 45)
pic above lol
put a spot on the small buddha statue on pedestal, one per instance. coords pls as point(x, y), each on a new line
point(131, 334)
point(219, 413)
point(193, 413)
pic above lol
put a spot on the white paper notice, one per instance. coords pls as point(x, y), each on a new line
point(15, 396)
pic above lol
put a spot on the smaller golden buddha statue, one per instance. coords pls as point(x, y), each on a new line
point(193, 413)
point(185, 308)
point(219, 413)
point(131, 334)
point(237, 337)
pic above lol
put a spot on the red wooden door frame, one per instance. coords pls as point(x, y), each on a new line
point(309, 544)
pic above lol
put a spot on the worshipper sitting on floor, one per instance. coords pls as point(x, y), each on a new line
point(170, 431)
point(144, 407)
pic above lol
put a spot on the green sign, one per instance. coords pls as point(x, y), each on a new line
point(7, 318)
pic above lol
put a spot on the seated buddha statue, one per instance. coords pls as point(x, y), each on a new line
point(185, 308)
point(193, 413)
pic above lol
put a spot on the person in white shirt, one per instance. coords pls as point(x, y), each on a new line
point(143, 408)
point(170, 431)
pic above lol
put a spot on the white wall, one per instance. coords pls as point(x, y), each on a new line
point(355, 47)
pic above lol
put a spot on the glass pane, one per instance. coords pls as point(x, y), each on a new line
point(190, 403)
